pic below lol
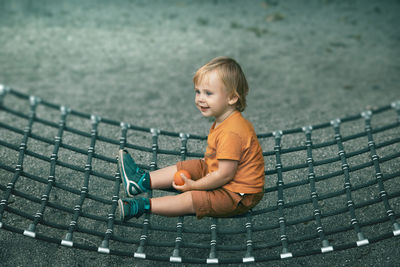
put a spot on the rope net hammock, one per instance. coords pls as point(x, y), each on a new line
point(329, 187)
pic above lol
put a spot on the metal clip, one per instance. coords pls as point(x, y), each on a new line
point(154, 131)
point(95, 119)
point(366, 114)
point(335, 123)
point(307, 129)
point(184, 136)
point(34, 100)
point(277, 134)
point(396, 105)
point(65, 110)
point(4, 90)
point(124, 125)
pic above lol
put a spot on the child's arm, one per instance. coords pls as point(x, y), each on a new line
point(225, 173)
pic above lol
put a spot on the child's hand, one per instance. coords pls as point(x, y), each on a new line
point(186, 186)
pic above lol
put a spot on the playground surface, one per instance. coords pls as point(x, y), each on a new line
point(307, 62)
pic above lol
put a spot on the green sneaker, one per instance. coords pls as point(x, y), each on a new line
point(134, 179)
point(130, 207)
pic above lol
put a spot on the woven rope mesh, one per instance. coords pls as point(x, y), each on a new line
point(331, 186)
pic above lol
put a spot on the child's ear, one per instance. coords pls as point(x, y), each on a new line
point(233, 99)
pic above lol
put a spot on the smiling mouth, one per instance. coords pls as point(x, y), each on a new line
point(204, 108)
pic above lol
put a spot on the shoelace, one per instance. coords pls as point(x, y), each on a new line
point(140, 171)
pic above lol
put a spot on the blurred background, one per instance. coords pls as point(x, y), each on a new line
point(134, 60)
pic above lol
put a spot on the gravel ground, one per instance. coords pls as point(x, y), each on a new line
point(307, 62)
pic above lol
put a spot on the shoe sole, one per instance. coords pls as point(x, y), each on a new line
point(124, 177)
point(121, 210)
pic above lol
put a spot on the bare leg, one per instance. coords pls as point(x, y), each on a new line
point(173, 205)
point(162, 178)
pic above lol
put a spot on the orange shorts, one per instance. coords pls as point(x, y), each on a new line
point(219, 202)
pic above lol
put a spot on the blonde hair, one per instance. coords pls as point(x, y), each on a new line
point(231, 75)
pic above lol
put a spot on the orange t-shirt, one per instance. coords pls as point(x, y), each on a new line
point(235, 139)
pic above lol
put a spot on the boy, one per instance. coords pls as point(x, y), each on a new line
point(229, 180)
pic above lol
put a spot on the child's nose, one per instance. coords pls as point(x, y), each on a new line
point(201, 97)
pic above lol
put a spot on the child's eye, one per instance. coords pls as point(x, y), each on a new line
point(208, 93)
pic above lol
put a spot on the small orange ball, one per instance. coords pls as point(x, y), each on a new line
point(178, 179)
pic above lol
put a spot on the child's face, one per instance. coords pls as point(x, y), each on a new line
point(212, 99)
